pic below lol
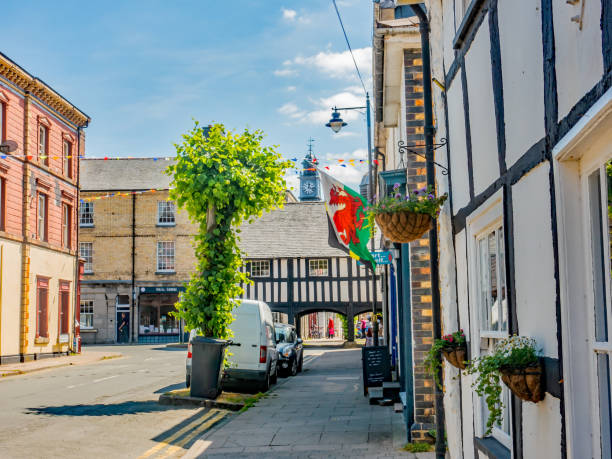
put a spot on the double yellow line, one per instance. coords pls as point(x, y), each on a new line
point(195, 428)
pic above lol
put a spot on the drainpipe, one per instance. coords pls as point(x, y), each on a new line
point(76, 332)
point(433, 234)
point(132, 318)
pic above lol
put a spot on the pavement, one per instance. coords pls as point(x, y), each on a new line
point(87, 356)
point(105, 408)
point(319, 413)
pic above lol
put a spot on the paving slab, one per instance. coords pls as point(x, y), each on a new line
point(319, 413)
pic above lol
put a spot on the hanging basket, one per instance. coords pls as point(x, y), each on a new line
point(456, 357)
point(526, 383)
point(404, 226)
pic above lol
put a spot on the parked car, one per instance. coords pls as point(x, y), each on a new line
point(290, 350)
point(254, 359)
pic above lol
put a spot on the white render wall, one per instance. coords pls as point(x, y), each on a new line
point(485, 161)
point(533, 256)
point(578, 54)
point(523, 81)
point(458, 156)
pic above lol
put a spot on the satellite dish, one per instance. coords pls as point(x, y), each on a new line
point(8, 146)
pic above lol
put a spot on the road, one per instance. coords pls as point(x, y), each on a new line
point(105, 410)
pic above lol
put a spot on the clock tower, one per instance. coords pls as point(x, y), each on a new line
point(309, 177)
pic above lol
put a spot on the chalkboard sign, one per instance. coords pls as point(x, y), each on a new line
point(376, 366)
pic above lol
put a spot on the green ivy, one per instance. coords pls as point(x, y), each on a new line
point(512, 352)
point(222, 179)
point(433, 359)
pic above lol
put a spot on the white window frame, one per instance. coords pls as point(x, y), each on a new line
point(89, 304)
point(260, 268)
point(88, 257)
point(42, 227)
point(90, 214)
point(43, 140)
point(483, 221)
point(163, 252)
point(165, 207)
point(67, 162)
point(585, 148)
point(66, 226)
point(316, 269)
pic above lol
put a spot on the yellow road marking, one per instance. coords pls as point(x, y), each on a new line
point(162, 444)
point(200, 430)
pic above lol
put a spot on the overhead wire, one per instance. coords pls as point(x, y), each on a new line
point(349, 46)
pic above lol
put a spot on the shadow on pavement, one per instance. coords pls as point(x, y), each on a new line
point(176, 386)
point(171, 349)
point(100, 409)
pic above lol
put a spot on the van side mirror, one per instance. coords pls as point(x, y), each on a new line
point(299, 341)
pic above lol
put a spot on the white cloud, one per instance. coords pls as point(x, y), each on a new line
point(285, 72)
point(289, 15)
point(337, 65)
point(291, 110)
point(291, 88)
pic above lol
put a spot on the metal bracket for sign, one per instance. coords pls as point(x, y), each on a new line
point(407, 149)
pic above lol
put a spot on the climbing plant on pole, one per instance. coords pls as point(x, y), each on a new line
point(222, 179)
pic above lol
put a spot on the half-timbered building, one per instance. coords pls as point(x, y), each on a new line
point(526, 106)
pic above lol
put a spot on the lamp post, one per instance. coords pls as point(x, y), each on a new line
point(336, 123)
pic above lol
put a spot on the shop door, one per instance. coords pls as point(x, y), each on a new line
point(123, 326)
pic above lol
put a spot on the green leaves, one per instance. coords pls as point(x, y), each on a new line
point(241, 179)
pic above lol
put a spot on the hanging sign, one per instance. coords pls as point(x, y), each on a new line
point(384, 257)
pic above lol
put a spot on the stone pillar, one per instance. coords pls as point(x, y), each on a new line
point(350, 318)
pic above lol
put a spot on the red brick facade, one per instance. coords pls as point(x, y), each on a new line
point(27, 174)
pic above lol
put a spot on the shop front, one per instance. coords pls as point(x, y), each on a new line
point(157, 323)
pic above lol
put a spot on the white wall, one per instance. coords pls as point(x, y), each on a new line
point(10, 308)
point(523, 81)
point(458, 150)
point(482, 110)
point(534, 262)
point(579, 60)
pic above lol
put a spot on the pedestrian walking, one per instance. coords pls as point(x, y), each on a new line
point(358, 329)
point(363, 328)
point(369, 338)
point(330, 328)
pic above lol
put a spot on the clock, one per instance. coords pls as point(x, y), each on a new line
point(308, 188)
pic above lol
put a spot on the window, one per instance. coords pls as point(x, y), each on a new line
point(86, 214)
point(488, 289)
point(317, 267)
point(42, 216)
point(260, 268)
point(66, 223)
point(43, 144)
point(165, 213)
point(2, 122)
point(86, 253)
point(2, 204)
point(165, 256)
point(64, 308)
point(599, 185)
point(42, 298)
point(86, 314)
point(67, 159)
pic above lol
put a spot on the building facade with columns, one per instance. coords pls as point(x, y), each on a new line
point(38, 204)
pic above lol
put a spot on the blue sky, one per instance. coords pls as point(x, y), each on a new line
point(142, 69)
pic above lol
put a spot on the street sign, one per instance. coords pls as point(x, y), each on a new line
point(383, 257)
point(162, 289)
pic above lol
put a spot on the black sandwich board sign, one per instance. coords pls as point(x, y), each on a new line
point(376, 366)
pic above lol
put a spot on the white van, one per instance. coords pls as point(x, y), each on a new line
point(253, 363)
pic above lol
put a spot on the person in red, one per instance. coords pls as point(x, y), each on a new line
point(330, 328)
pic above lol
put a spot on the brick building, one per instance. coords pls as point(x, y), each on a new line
point(399, 117)
point(38, 232)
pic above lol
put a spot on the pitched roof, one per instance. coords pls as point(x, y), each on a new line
point(297, 230)
point(123, 174)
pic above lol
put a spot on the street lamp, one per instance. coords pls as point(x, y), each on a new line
point(336, 123)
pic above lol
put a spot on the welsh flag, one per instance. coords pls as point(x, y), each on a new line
point(347, 220)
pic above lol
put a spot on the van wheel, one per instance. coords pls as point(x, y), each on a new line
point(265, 386)
point(274, 378)
point(301, 364)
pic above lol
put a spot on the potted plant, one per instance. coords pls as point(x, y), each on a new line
point(221, 179)
point(453, 347)
point(516, 362)
point(406, 218)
